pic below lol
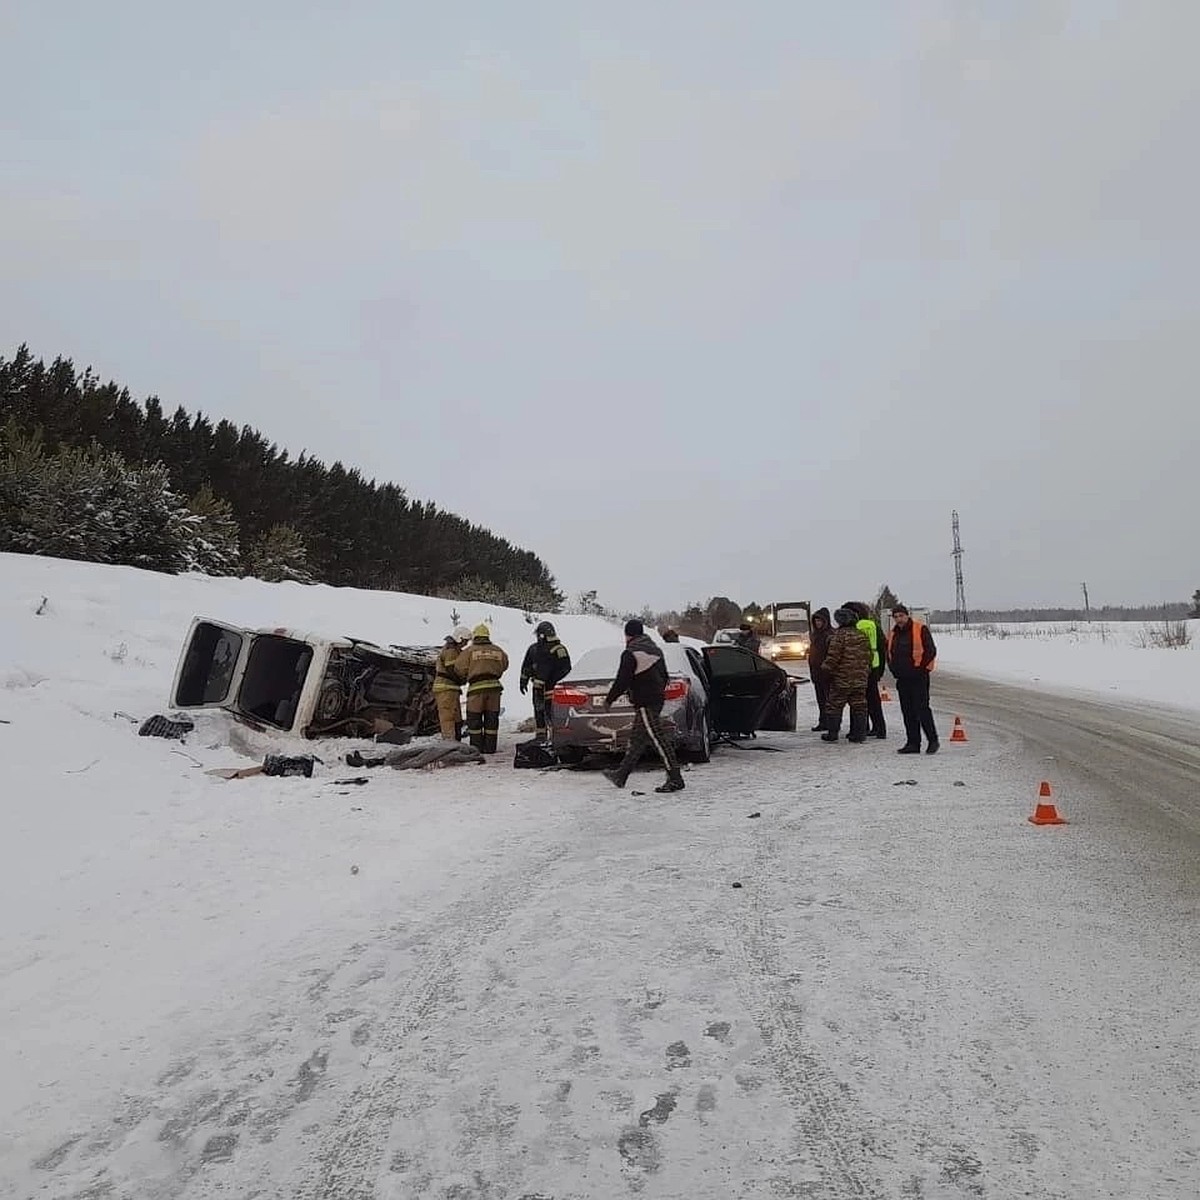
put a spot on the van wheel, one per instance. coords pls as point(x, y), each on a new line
point(331, 701)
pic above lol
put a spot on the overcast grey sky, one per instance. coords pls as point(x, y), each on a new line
point(745, 298)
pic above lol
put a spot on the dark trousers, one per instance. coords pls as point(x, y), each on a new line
point(913, 690)
point(874, 704)
point(541, 709)
point(820, 682)
point(647, 731)
point(483, 719)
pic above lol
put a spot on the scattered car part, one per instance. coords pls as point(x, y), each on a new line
point(175, 729)
point(272, 764)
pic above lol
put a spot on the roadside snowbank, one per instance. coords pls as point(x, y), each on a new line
point(109, 637)
point(1116, 660)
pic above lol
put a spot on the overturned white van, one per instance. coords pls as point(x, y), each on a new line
point(304, 685)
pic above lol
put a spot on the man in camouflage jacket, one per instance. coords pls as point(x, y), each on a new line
point(847, 666)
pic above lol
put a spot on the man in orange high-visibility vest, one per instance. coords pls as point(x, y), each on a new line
point(911, 656)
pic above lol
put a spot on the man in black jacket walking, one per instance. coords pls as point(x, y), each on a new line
point(642, 674)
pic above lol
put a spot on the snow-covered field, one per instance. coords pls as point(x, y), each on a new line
point(1115, 659)
point(536, 986)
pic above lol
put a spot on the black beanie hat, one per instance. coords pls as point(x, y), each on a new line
point(634, 628)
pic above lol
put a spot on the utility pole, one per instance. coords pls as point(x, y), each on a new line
point(1087, 607)
point(960, 596)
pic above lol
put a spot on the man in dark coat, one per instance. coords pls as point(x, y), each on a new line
point(642, 673)
point(911, 655)
point(847, 665)
point(817, 646)
point(546, 662)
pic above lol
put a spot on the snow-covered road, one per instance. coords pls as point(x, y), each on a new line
point(536, 986)
point(913, 993)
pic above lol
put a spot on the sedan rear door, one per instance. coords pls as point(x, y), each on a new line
point(748, 693)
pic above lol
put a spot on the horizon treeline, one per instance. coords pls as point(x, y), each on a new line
point(75, 451)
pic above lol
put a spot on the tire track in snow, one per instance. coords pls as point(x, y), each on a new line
point(230, 1089)
point(353, 1146)
point(830, 1136)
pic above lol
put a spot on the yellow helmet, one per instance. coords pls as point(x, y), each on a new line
point(481, 631)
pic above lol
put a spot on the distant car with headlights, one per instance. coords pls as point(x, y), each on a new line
point(786, 630)
point(712, 691)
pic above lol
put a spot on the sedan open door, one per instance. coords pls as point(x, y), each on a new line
point(748, 693)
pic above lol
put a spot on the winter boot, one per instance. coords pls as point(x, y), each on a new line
point(819, 726)
point(933, 747)
point(833, 727)
point(909, 748)
point(858, 728)
point(674, 783)
point(616, 776)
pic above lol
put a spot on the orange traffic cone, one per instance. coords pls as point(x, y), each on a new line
point(958, 733)
point(885, 695)
point(1046, 813)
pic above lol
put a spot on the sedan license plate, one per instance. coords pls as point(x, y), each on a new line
point(597, 701)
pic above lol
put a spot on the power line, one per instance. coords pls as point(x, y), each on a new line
point(960, 596)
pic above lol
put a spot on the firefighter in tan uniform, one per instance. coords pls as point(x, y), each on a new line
point(481, 665)
point(447, 684)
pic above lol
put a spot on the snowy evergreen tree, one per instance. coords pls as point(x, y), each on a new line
point(213, 536)
point(279, 555)
point(89, 505)
point(155, 530)
point(21, 464)
point(62, 505)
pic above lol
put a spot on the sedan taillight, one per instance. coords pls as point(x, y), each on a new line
point(570, 697)
point(677, 689)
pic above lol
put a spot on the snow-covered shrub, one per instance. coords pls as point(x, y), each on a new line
point(213, 536)
point(279, 556)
